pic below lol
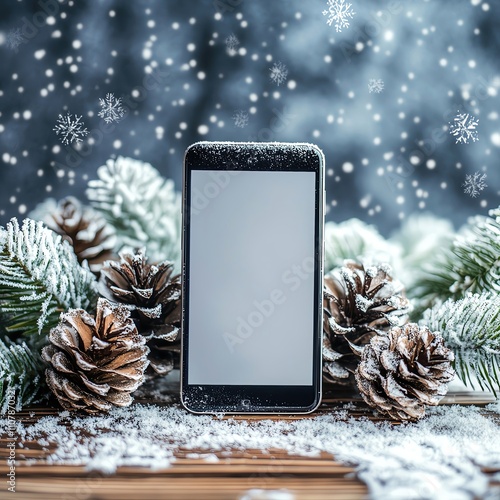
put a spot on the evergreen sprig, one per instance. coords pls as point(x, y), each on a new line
point(141, 205)
point(353, 239)
point(471, 265)
point(471, 328)
point(21, 381)
point(39, 278)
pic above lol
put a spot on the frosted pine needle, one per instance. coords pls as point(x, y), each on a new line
point(39, 277)
point(141, 205)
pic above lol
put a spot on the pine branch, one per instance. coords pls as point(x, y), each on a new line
point(471, 327)
point(354, 239)
point(142, 206)
point(21, 382)
point(472, 265)
point(421, 237)
point(39, 278)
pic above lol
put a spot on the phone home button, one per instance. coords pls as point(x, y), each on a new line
point(245, 403)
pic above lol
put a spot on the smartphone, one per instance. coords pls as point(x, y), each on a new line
point(252, 274)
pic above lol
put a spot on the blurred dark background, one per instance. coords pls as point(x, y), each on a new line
point(185, 70)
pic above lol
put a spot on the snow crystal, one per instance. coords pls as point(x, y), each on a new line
point(278, 73)
point(70, 128)
point(474, 184)
point(375, 86)
point(339, 12)
point(111, 108)
point(232, 43)
point(463, 128)
point(438, 457)
point(14, 38)
point(240, 118)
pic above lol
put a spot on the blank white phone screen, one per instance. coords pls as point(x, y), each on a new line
point(251, 278)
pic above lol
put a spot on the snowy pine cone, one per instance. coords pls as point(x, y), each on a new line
point(358, 303)
point(404, 371)
point(91, 237)
point(95, 364)
point(153, 295)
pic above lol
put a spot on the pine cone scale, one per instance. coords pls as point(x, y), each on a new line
point(81, 332)
point(101, 389)
point(60, 362)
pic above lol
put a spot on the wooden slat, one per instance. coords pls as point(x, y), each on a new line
point(237, 471)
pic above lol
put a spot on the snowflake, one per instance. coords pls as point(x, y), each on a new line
point(231, 42)
point(474, 184)
point(14, 38)
point(70, 128)
point(339, 12)
point(240, 118)
point(375, 85)
point(112, 110)
point(464, 128)
point(279, 73)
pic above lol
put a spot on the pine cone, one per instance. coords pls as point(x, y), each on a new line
point(95, 364)
point(402, 372)
point(85, 229)
point(358, 304)
point(154, 297)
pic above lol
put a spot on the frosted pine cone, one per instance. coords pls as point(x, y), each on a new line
point(358, 303)
point(404, 371)
point(153, 294)
point(95, 364)
point(92, 238)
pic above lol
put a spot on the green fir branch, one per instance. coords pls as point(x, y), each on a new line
point(40, 277)
point(141, 205)
point(21, 380)
point(471, 265)
point(471, 327)
point(353, 239)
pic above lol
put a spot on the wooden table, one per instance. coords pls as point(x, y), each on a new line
point(229, 478)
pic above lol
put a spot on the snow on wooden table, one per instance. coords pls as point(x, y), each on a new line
point(165, 452)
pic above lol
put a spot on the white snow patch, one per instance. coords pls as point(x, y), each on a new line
point(439, 457)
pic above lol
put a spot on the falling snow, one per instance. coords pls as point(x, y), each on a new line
point(14, 38)
point(339, 12)
point(278, 73)
point(474, 184)
point(231, 42)
point(70, 128)
point(463, 128)
point(375, 86)
point(240, 118)
point(387, 145)
point(112, 109)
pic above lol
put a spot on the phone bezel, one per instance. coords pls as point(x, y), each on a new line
point(248, 156)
